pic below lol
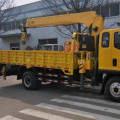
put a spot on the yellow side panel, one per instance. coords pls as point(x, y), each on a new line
point(108, 54)
point(48, 59)
point(115, 52)
point(105, 53)
point(116, 55)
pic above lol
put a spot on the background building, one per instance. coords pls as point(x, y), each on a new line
point(10, 39)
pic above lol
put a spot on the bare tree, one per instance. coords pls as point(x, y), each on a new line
point(6, 10)
point(57, 7)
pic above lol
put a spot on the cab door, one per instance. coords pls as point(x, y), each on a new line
point(105, 51)
point(116, 51)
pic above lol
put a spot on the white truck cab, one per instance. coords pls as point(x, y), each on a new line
point(52, 47)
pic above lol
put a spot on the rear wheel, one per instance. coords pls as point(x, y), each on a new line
point(113, 89)
point(29, 81)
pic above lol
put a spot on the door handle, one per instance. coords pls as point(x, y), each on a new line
point(114, 62)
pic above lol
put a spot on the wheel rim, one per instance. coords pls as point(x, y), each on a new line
point(27, 81)
point(115, 89)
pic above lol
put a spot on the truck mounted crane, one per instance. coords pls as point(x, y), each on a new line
point(92, 56)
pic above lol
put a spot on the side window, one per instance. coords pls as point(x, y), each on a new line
point(105, 39)
point(117, 40)
point(14, 46)
point(55, 48)
point(61, 48)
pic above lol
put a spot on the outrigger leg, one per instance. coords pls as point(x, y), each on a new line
point(81, 72)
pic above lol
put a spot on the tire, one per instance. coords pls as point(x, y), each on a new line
point(113, 89)
point(29, 81)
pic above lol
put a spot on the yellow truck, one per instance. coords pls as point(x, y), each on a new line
point(93, 55)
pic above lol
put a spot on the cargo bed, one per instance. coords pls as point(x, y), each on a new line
point(46, 59)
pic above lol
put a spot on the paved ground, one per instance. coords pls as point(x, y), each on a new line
point(54, 103)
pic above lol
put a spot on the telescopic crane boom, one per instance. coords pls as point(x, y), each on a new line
point(90, 19)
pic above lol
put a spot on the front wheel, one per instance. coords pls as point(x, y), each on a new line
point(113, 89)
point(29, 81)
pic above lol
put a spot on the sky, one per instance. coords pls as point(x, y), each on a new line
point(22, 2)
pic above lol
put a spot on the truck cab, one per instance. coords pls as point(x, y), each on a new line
point(109, 50)
point(51, 47)
point(109, 62)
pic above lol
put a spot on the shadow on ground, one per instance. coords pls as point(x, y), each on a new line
point(45, 92)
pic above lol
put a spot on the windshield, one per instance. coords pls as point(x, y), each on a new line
point(47, 48)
